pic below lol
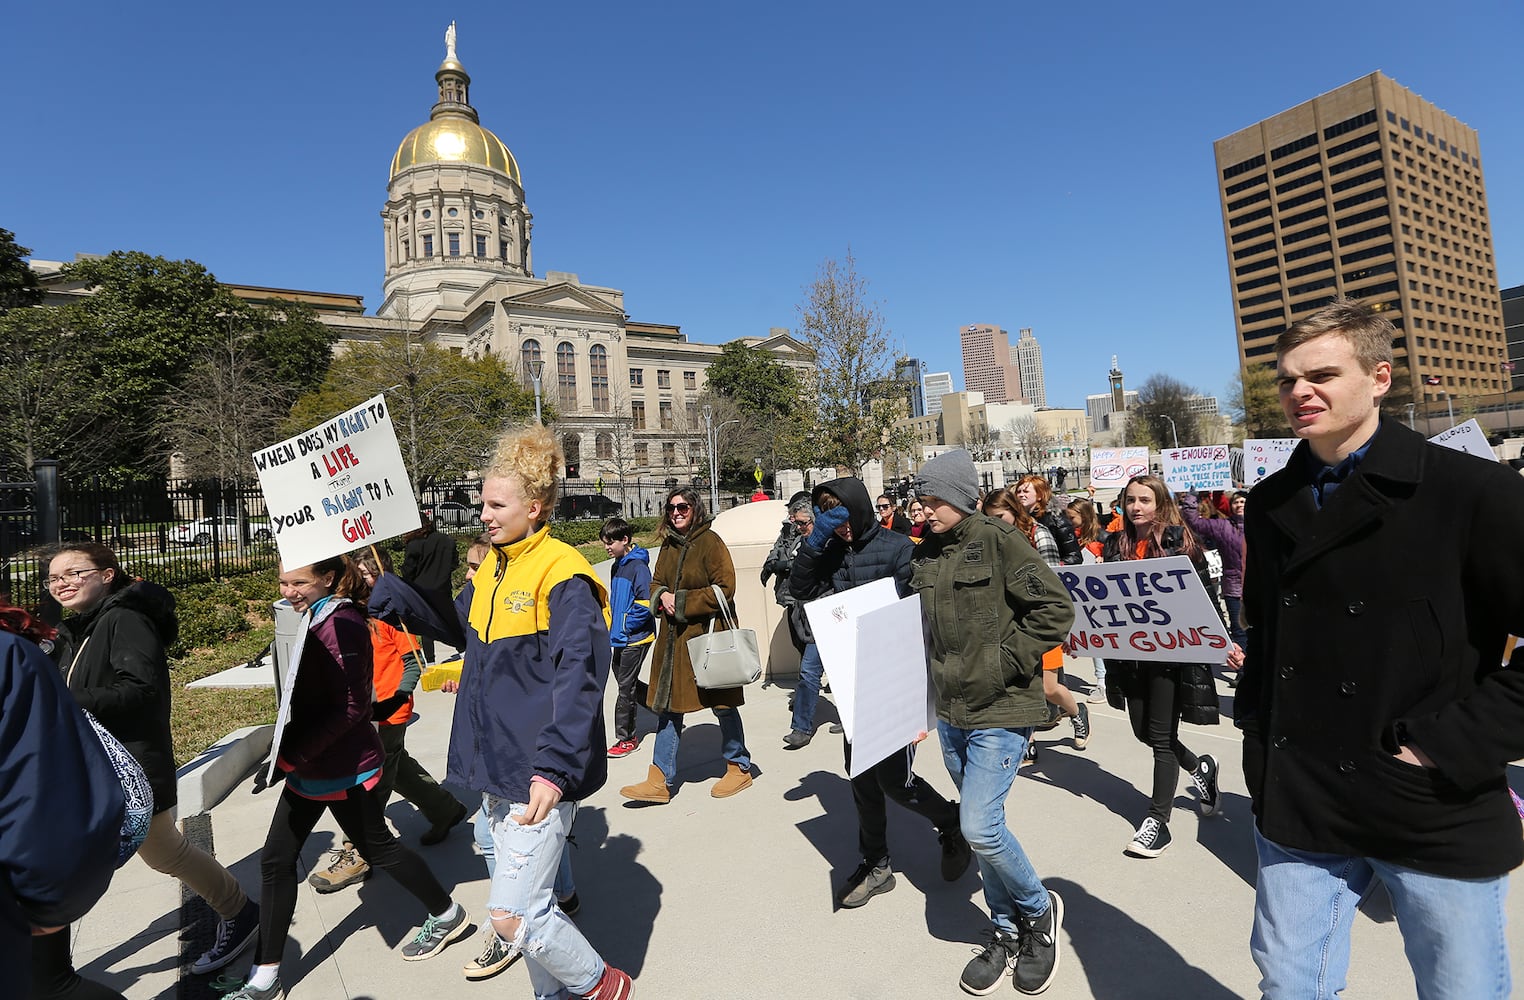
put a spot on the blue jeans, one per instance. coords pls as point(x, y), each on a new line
point(1235, 620)
point(983, 764)
point(1304, 907)
point(566, 886)
point(807, 691)
point(669, 729)
point(560, 961)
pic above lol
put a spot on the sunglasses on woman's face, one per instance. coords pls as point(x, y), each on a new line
point(678, 508)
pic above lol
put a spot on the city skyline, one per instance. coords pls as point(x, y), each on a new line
point(710, 180)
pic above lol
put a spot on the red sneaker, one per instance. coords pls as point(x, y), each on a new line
point(623, 748)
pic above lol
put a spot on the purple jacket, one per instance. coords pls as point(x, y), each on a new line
point(1226, 535)
point(330, 733)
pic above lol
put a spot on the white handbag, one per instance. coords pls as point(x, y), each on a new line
point(726, 659)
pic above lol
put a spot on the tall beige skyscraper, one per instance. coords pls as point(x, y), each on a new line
point(987, 364)
point(1371, 192)
point(1034, 387)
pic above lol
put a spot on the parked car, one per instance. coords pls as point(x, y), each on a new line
point(199, 531)
point(454, 515)
point(586, 505)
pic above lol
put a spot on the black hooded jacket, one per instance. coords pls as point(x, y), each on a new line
point(873, 553)
point(113, 661)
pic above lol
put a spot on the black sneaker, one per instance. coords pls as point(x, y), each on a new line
point(439, 831)
point(1081, 724)
point(1055, 716)
point(955, 855)
point(1030, 754)
point(435, 933)
point(1150, 841)
point(1204, 777)
point(570, 905)
point(233, 936)
point(983, 973)
point(865, 883)
point(796, 739)
point(1037, 948)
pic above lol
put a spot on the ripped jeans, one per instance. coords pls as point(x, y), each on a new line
point(560, 961)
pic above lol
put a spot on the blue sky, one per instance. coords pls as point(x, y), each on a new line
point(1026, 165)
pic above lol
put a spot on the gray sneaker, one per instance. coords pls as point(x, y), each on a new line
point(435, 933)
point(247, 992)
point(864, 884)
point(233, 936)
point(496, 956)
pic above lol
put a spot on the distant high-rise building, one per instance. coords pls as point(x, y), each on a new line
point(1034, 388)
point(1370, 192)
point(907, 372)
point(936, 385)
point(987, 365)
point(1513, 330)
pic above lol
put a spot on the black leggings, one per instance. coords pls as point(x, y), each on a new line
point(892, 778)
point(53, 975)
point(1155, 721)
point(359, 816)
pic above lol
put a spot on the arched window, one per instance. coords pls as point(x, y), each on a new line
point(598, 363)
point(603, 445)
point(528, 352)
point(566, 377)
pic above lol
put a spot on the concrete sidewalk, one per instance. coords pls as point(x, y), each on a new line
point(709, 899)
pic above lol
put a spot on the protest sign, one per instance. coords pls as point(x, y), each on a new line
point(283, 713)
point(336, 487)
point(1467, 437)
point(891, 690)
point(1143, 609)
point(833, 621)
point(1207, 467)
point(1115, 466)
point(1265, 456)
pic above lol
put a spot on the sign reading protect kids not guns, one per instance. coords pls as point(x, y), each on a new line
point(338, 486)
point(1145, 609)
point(1115, 466)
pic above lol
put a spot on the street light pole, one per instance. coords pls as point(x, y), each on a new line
point(1450, 407)
point(1172, 429)
point(536, 370)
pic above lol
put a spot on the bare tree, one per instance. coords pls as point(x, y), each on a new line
point(1031, 440)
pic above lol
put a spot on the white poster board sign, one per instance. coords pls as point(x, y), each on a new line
point(833, 620)
point(336, 487)
point(283, 713)
point(1113, 467)
point(1205, 467)
point(1144, 609)
point(1467, 437)
point(1264, 457)
point(891, 689)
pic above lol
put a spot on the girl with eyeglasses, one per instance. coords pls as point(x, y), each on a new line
point(110, 649)
point(692, 562)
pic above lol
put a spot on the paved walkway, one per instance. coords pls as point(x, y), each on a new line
point(709, 899)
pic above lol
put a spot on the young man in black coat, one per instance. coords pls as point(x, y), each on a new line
point(847, 548)
point(1384, 576)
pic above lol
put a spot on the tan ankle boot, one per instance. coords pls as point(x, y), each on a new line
point(653, 789)
point(735, 780)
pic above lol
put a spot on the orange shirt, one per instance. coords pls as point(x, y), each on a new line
point(390, 647)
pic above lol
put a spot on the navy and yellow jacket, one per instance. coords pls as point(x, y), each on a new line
point(630, 621)
point(536, 662)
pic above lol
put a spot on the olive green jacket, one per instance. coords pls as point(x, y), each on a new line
point(992, 608)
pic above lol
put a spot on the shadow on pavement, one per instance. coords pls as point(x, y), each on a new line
point(1123, 959)
point(620, 897)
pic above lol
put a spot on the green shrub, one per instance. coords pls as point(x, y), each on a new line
point(209, 614)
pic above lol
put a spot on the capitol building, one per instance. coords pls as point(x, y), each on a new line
point(459, 272)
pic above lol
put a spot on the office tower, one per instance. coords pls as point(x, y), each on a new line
point(1513, 330)
point(907, 372)
point(1034, 388)
point(1370, 192)
point(936, 385)
point(987, 365)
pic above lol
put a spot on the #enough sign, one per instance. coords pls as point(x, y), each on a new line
point(1144, 609)
point(1187, 470)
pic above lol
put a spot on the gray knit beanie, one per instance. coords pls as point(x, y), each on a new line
point(951, 476)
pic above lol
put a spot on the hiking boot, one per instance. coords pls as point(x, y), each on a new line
point(865, 883)
point(623, 748)
point(1037, 947)
point(435, 933)
point(1081, 723)
point(982, 974)
point(1150, 841)
point(439, 831)
point(612, 985)
point(1204, 777)
point(233, 936)
point(797, 739)
point(247, 992)
point(735, 780)
point(653, 789)
point(346, 868)
point(955, 855)
point(496, 956)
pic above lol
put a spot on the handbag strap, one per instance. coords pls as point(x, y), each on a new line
point(719, 596)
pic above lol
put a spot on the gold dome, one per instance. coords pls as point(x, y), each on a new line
point(455, 139)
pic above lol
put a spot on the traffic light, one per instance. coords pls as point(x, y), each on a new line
point(571, 471)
